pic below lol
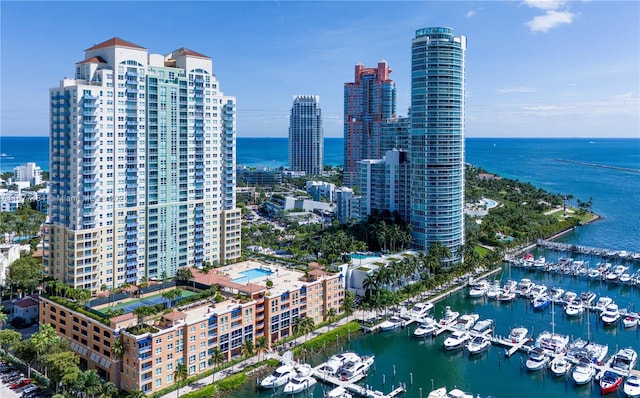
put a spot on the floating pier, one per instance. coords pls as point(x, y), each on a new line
point(605, 253)
point(351, 385)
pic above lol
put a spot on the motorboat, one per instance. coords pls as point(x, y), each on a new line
point(456, 393)
point(615, 272)
point(630, 321)
point(569, 297)
point(560, 366)
point(356, 367)
point(537, 359)
point(449, 317)
point(518, 335)
point(594, 273)
point(538, 291)
point(466, 321)
point(506, 296)
point(301, 381)
point(281, 376)
point(420, 310)
point(552, 341)
point(527, 260)
point(540, 303)
point(335, 362)
point(602, 303)
point(574, 308)
point(555, 293)
point(510, 286)
point(478, 345)
point(596, 352)
point(625, 278)
point(479, 289)
point(524, 287)
point(624, 360)
point(610, 382)
point(338, 392)
point(392, 323)
point(610, 315)
point(483, 326)
point(494, 290)
point(587, 297)
point(539, 262)
point(583, 372)
point(427, 327)
point(631, 386)
point(456, 340)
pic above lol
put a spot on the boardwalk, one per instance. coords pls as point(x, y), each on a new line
point(351, 385)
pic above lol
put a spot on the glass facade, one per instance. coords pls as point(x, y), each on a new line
point(437, 139)
point(306, 145)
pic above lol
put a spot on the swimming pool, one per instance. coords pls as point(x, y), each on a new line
point(360, 256)
point(251, 274)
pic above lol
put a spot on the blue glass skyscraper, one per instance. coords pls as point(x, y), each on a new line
point(437, 139)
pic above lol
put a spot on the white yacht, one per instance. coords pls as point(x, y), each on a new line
point(301, 381)
point(420, 310)
point(539, 262)
point(610, 315)
point(555, 293)
point(560, 366)
point(625, 278)
point(569, 297)
point(449, 317)
point(484, 326)
point(494, 290)
point(479, 288)
point(630, 321)
point(356, 367)
point(552, 341)
point(506, 296)
point(537, 359)
point(537, 291)
point(392, 323)
point(594, 273)
point(279, 377)
point(602, 303)
point(524, 287)
point(616, 272)
point(427, 327)
point(631, 386)
point(584, 372)
point(442, 393)
point(466, 321)
point(335, 362)
point(478, 345)
point(456, 340)
point(338, 392)
point(574, 308)
point(518, 335)
point(587, 297)
point(624, 360)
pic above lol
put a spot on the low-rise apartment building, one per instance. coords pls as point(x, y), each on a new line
point(246, 309)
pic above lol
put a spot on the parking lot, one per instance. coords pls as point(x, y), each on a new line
point(14, 384)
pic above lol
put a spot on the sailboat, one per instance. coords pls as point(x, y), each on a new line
point(550, 340)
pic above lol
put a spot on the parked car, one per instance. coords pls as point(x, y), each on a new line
point(20, 383)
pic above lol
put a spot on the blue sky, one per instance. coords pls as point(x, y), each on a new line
point(534, 68)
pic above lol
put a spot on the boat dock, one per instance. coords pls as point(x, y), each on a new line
point(351, 385)
point(605, 253)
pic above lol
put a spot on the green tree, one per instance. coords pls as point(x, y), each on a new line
point(9, 338)
point(180, 375)
point(262, 345)
point(332, 315)
point(25, 273)
point(142, 312)
point(217, 357)
point(63, 369)
point(107, 390)
point(348, 303)
point(184, 274)
point(136, 394)
point(248, 348)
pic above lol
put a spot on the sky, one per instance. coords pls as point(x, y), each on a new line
point(534, 68)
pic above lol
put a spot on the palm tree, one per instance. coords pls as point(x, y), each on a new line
point(348, 303)
point(136, 394)
point(180, 375)
point(247, 348)
point(261, 345)
point(332, 315)
point(107, 390)
point(216, 358)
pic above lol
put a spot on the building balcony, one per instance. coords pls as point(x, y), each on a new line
point(89, 130)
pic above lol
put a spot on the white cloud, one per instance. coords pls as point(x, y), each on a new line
point(551, 19)
point(517, 89)
point(470, 13)
point(545, 4)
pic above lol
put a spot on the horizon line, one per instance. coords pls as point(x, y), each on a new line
point(472, 137)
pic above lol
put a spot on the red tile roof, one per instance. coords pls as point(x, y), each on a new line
point(26, 303)
point(93, 60)
point(114, 41)
point(174, 315)
point(213, 278)
point(123, 317)
point(186, 52)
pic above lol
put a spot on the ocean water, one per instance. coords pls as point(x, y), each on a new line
point(614, 191)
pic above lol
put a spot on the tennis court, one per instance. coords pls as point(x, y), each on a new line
point(155, 299)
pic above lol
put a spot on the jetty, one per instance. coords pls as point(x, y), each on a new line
point(596, 251)
point(351, 385)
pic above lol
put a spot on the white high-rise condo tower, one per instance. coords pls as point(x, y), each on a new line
point(437, 139)
point(142, 168)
